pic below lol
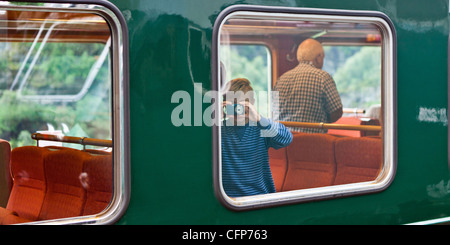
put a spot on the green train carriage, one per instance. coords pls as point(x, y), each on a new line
point(106, 111)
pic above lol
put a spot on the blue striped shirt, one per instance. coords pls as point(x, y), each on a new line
point(245, 157)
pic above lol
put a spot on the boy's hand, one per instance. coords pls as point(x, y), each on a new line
point(250, 111)
point(224, 104)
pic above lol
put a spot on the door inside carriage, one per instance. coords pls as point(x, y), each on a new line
point(323, 152)
point(55, 116)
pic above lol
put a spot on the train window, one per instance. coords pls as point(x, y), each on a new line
point(328, 128)
point(62, 122)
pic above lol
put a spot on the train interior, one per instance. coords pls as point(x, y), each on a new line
point(55, 150)
point(352, 150)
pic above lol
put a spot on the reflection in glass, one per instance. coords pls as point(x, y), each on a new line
point(333, 150)
point(56, 119)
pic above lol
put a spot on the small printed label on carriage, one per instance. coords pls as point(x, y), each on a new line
point(433, 115)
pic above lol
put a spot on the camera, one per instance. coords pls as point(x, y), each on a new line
point(234, 109)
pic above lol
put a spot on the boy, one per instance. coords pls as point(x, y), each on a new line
point(246, 138)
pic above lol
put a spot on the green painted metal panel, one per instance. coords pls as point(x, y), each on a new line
point(171, 167)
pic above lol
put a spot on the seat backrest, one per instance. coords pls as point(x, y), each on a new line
point(65, 194)
point(5, 173)
point(59, 182)
point(358, 159)
point(98, 180)
point(354, 121)
point(278, 166)
point(28, 191)
point(311, 162)
point(349, 121)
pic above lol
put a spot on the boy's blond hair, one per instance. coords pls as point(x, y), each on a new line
point(240, 85)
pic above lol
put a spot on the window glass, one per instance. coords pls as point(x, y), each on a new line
point(63, 69)
point(324, 134)
point(251, 61)
point(357, 73)
point(56, 95)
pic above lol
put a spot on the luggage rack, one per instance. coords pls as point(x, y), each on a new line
point(71, 139)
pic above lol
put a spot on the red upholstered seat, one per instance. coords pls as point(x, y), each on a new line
point(6, 181)
point(98, 174)
point(65, 195)
point(28, 191)
point(354, 121)
point(8, 217)
point(310, 161)
point(278, 166)
point(358, 159)
point(51, 183)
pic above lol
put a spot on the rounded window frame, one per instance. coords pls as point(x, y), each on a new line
point(389, 66)
point(120, 102)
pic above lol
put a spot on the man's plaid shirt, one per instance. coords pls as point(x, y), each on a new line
point(307, 94)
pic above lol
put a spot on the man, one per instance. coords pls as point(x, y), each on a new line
point(307, 93)
point(246, 138)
